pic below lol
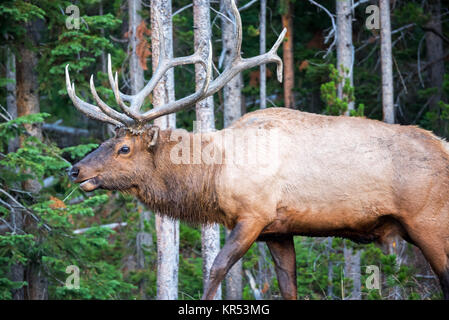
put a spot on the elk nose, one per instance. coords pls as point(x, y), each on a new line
point(74, 172)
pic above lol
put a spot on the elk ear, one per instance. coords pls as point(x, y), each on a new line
point(153, 135)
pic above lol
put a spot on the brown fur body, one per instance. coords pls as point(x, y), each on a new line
point(336, 176)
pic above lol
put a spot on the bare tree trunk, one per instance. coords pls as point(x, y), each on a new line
point(17, 270)
point(232, 111)
point(434, 45)
point(289, 65)
point(388, 101)
point(232, 91)
point(28, 103)
point(27, 87)
point(386, 62)
point(330, 270)
point(353, 272)
point(144, 239)
point(210, 234)
point(264, 276)
point(167, 229)
point(135, 69)
point(263, 48)
point(345, 48)
point(103, 54)
point(11, 103)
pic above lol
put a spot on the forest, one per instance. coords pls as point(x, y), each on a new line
point(378, 59)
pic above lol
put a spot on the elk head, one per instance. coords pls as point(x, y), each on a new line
point(117, 163)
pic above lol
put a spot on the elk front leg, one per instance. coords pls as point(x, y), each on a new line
point(284, 257)
point(239, 241)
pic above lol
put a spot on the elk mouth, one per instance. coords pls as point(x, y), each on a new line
point(90, 184)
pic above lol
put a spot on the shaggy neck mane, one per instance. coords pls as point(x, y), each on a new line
point(179, 191)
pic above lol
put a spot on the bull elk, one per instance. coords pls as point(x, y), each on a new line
point(333, 176)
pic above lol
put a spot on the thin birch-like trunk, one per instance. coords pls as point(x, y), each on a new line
point(143, 238)
point(167, 230)
point(210, 234)
point(232, 111)
point(386, 62)
point(345, 48)
point(353, 272)
point(263, 48)
point(135, 69)
point(388, 103)
point(263, 268)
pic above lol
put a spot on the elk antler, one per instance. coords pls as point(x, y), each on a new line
point(132, 114)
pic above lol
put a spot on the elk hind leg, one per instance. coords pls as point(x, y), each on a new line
point(283, 252)
point(434, 244)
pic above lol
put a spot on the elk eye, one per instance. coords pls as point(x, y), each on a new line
point(124, 150)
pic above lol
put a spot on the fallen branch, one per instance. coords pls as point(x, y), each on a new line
point(64, 130)
point(113, 226)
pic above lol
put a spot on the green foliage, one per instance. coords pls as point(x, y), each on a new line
point(329, 94)
point(55, 247)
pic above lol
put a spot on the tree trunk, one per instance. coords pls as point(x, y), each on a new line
point(232, 91)
point(263, 48)
point(16, 219)
point(386, 62)
point(167, 229)
point(434, 45)
point(345, 52)
point(210, 234)
point(353, 272)
point(135, 69)
point(330, 270)
point(345, 49)
point(11, 103)
point(232, 111)
point(388, 100)
point(143, 239)
point(103, 54)
point(28, 103)
point(264, 277)
point(287, 45)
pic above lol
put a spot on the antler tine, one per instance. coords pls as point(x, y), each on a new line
point(238, 64)
point(88, 109)
point(106, 109)
point(178, 105)
point(238, 32)
point(111, 80)
point(133, 113)
point(164, 64)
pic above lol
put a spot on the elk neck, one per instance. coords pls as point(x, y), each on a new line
point(182, 191)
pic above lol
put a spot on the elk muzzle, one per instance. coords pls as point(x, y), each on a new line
point(87, 184)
